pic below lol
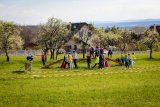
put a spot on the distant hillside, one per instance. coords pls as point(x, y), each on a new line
point(129, 24)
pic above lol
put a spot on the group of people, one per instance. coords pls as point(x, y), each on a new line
point(69, 59)
point(96, 52)
point(100, 59)
point(128, 60)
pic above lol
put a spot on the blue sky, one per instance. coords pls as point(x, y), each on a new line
point(38, 11)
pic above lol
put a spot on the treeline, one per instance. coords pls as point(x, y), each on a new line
point(52, 35)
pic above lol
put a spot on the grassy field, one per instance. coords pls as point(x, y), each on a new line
point(112, 87)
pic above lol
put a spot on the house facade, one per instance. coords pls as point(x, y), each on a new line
point(76, 28)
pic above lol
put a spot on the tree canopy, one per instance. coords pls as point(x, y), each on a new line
point(9, 37)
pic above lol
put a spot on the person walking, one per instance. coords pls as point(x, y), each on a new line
point(96, 62)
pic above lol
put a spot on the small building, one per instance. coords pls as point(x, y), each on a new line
point(72, 42)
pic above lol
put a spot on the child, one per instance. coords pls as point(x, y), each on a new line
point(88, 60)
point(126, 60)
point(133, 56)
point(132, 59)
point(66, 60)
point(70, 59)
point(97, 61)
point(122, 59)
point(129, 61)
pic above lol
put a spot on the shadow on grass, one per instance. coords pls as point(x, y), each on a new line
point(18, 72)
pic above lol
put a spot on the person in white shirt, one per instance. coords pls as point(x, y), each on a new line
point(75, 57)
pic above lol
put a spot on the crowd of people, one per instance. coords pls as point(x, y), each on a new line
point(128, 60)
point(97, 53)
point(70, 59)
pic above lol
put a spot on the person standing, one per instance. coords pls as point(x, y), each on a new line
point(92, 52)
point(110, 52)
point(97, 52)
point(101, 59)
point(66, 60)
point(43, 58)
point(75, 57)
point(88, 60)
point(122, 59)
point(126, 60)
point(70, 59)
point(133, 58)
point(130, 61)
point(29, 58)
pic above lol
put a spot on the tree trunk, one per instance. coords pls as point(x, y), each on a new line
point(83, 51)
point(51, 56)
point(52, 53)
point(7, 56)
point(151, 53)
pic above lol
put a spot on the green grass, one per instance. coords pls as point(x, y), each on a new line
point(111, 87)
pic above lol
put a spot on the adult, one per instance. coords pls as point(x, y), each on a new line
point(75, 57)
point(88, 60)
point(43, 58)
point(92, 52)
point(110, 52)
point(97, 52)
point(101, 59)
